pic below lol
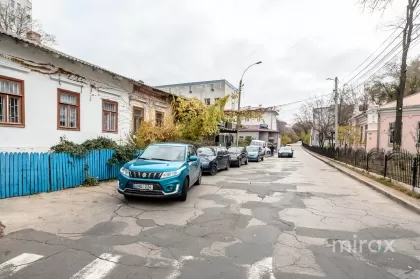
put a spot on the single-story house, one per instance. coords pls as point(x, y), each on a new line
point(46, 94)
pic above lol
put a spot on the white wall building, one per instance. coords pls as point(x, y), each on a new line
point(46, 94)
point(206, 91)
point(269, 118)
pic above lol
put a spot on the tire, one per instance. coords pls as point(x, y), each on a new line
point(200, 175)
point(246, 161)
point(128, 198)
point(213, 170)
point(227, 165)
point(278, 156)
point(184, 192)
point(262, 159)
point(239, 163)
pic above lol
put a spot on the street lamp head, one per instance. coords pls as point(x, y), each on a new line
point(259, 62)
point(330, 79)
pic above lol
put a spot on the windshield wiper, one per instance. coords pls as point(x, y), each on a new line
point(159, 159)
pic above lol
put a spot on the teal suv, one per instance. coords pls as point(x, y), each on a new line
point(163, 170)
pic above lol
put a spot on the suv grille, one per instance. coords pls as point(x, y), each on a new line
point(151, 175)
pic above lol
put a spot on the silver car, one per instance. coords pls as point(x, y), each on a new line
point(285, 151)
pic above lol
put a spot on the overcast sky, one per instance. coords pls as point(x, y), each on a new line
point(301, 43)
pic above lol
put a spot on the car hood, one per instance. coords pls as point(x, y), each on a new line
point(153, 165)
point(207, 158)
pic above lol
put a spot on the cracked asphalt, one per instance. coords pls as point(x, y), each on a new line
point(281, 218)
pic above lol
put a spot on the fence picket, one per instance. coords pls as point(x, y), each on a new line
point(2, 176)
point(7, 180)
point(20, 174)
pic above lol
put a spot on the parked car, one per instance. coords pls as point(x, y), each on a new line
point(259, 143)
point(285, 151)
point(214, 159)
point(162, 170)
point(255, 153)
point(238, 156)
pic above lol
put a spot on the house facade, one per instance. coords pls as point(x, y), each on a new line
point(376, 126)
point(366, 125)
point(46, 94)
point(206, 91)
point(265, 128)
point(410, 127)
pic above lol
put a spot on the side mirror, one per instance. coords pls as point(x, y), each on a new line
point(193, 158)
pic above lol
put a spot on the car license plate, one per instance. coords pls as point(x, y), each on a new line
point(143, 186)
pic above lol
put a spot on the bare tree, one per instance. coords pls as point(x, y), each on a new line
point(18, 21)
point(319, 114)
point(408, 26)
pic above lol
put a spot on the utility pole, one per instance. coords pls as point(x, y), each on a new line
point(336, 112)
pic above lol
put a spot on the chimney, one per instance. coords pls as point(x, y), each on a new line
point(33, 36)
point(260, 106)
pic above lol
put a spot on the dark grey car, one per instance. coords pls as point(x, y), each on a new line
point(238, 156)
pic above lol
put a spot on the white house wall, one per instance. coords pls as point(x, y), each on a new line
point(203, 91)
point(40, 131)
point(269, 118)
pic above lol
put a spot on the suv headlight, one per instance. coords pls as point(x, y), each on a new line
point(125, 171)
point(172, 173)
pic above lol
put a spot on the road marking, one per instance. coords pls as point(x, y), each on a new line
point(99, 268)
point(259, 269)
point(17, 263)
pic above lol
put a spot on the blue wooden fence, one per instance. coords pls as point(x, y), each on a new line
point(24, 174)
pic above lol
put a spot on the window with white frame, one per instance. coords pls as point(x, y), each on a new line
point(11, 101)
point(391, 133)
point(110, 116)
point(207, 101)
point(418, 132)
point(68, 110)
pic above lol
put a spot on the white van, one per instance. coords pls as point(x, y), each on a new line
point(260, 143)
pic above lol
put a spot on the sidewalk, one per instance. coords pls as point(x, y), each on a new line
point(401, 198)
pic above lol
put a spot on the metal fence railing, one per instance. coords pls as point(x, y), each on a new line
point(399, 165)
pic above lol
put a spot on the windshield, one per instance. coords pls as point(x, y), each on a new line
point(206, 151)
point(252, 149)
point(234, 150)
point(164, 153)
point(259, 143)
point(285, 148)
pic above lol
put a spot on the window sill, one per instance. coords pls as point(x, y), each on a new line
point(12, 125)
point(68, 129)
point(110, 132)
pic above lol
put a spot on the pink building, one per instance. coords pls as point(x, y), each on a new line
point(411, 124)
point(376, 125)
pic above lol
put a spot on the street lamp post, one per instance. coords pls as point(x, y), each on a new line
point(238, 119)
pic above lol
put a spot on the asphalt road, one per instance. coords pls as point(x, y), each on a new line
point(281, 218)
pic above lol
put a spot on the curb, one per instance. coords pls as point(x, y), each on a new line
point(404, 202)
